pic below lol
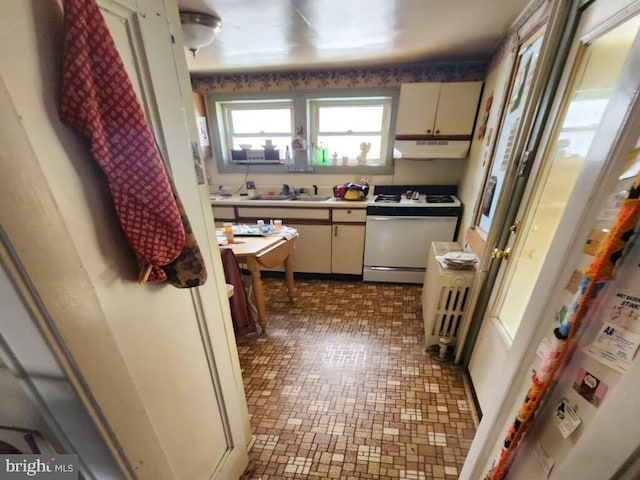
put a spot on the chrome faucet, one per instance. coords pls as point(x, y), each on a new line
point(287, 190)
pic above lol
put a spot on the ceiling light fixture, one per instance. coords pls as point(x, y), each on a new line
point(199, 29)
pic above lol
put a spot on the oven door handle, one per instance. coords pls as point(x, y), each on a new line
point(400, 217)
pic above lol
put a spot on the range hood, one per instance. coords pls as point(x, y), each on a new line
point(425, 149)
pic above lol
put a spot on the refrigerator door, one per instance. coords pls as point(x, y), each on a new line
point(607, 433)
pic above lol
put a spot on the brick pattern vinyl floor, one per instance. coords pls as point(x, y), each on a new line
point(341, 387)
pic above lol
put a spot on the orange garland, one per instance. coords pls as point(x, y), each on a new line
point(599, 271)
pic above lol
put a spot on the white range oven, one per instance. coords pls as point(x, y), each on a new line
point(402, 221)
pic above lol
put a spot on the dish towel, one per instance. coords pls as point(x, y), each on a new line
point(99, 100)
point(287, 232)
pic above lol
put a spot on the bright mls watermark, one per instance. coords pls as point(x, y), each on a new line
point(49, 467)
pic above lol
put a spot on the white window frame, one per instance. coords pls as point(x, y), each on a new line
point(217, 104)
point(226, 108)
point(386, 133)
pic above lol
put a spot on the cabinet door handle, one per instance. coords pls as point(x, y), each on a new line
point(437, 132)
point(429, 131)
point(335, 231)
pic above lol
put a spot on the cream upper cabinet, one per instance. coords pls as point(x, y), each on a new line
point(438, 109)
point(417, 108)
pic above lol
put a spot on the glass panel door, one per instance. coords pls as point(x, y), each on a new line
point(597, 73)
point(511, 125)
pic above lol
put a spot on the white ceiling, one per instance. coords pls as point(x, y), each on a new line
point(279, 35)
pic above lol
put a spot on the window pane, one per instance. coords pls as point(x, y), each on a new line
point(278, 144)
point(355, 118)
point(350, 149)
point(272, 120)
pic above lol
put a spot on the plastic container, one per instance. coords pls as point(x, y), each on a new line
point(228, 231)
point(263, 227)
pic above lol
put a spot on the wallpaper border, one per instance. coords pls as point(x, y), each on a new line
point(364, 77)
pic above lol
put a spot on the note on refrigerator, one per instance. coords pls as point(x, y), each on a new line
point(544, 459)
point(614, 347)
point(566, 418)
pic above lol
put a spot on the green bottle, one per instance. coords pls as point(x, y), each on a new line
point(321, 155)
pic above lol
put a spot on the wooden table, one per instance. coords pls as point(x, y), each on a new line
point(267, 252)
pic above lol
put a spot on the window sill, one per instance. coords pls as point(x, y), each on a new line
point(275, 169)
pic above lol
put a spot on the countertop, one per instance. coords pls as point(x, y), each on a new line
point(235, 200)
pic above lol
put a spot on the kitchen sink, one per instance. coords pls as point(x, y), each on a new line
point(311, 198)
point(303, 198)
point(271, 197)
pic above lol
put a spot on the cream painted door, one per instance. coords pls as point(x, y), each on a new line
point(457, 108)
point(312, 253)
point(216, 415)
point(569, 169)
point(499, 191)
point(347, 243)
point(156, 365)
point(417, 108)
point(432, 108)
point(347, 249)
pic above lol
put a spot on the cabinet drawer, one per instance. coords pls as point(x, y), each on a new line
point(224, 212)
point(349, 215)
point(268, 213)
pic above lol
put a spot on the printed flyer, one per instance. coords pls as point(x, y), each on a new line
point(625, 311)
point(614, 347)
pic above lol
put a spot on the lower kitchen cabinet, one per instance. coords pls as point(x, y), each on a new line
point(347, 249)
point(330, 241)
point(312, 252)
point(347, 241)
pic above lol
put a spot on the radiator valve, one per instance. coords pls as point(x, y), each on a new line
point(443, 354)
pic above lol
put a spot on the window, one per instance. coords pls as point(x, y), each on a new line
point(257, 132)
point(350, 131)
point(320, 131)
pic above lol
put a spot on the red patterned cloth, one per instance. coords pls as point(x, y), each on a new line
point(99, 100)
